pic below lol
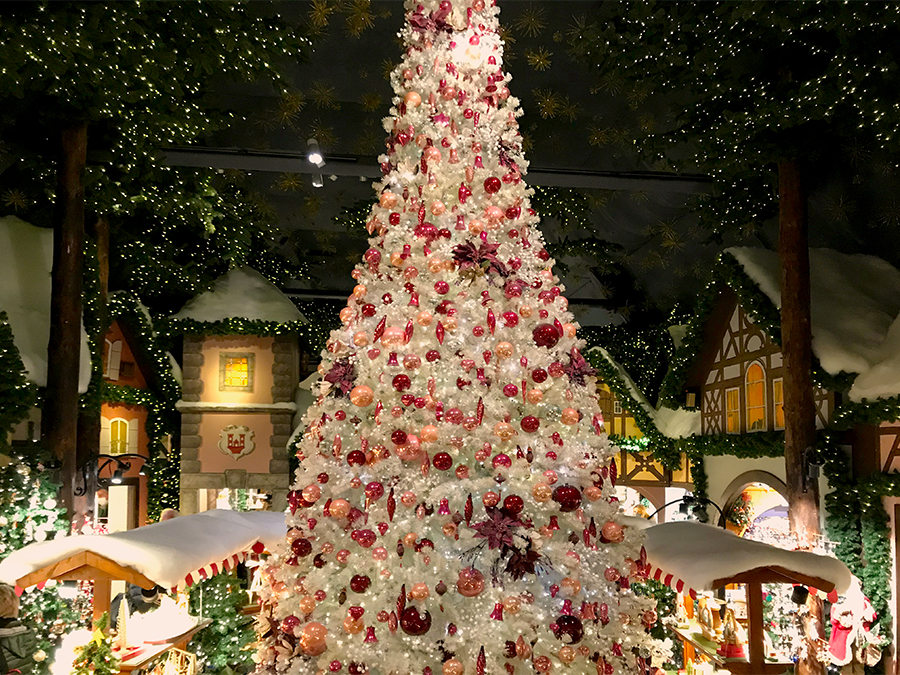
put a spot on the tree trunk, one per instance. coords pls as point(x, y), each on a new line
point(799, 408)
point(59, 418)
point(89, 421)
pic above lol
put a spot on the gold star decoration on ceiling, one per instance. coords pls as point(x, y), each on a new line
point(324, 134)
point(324, 96)
point(359, 18)
point(531, 22)
point(371, 101)
point(319, 13)
point(538, 59)
point(15, 199)
point(548, 102)
point(290, 182)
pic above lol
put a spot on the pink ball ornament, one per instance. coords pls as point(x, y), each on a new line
point(412, 99)
point(501, 460)
point(534, 396)
point(312, 639)
point(394, 336)
point(339, 508)
point(613, 532)
point(429, 433)
point(569, 416)
point(470, 582)
point(361, 396)
point(504, 350)
point(611, 574)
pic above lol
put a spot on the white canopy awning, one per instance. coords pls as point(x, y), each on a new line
point(173, 554)
point(690, 556)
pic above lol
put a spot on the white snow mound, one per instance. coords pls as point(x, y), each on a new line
point(242, 293)
point(164, 552)
point(700, 554)
point(854, 300)
point(26, 264)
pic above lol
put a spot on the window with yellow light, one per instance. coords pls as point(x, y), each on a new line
point(756, 398)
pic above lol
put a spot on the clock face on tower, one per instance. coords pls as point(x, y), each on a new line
point(236, 441)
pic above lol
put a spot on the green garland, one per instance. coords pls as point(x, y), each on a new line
point(126, 308)
point(743, 446)
point(663, 447)
point(17, 394)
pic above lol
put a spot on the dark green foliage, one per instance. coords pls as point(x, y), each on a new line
point(665, 605)
point(17, 394)
point(744, 84)
point(49, 616)
point(224, 643)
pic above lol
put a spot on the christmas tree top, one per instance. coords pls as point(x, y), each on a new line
point(455, 508)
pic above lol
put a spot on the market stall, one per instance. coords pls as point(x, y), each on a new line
point(693, 558)
point(173, 554)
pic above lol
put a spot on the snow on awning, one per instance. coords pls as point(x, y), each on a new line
point(173, 554)
point(691, 557)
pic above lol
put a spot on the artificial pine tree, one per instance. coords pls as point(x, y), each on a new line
point(454, 509)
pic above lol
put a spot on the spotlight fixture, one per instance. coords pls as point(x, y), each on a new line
point(116, 477)
point(314, 154)
point(317, 180)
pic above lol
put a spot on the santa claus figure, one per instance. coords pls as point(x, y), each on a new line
point(853, 645)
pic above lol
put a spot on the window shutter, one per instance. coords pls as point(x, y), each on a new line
point(132, 437)
point(115, 358)
point(104, 436)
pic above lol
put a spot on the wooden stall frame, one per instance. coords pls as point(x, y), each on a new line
point(88, 566)
point(756, 663)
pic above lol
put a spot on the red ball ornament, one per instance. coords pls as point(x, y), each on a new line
point(289, 623)
point(301, 547)
point(368, 310)
point(501, 461)
point(432, 355)
point(401, 382)
point(530, 424)
point(441, 287)
point(492, 185)
point(513, 504)
point(510, 390)
point(414, 623)
point(539, 375)
point(374, 490)
point(569, 629)
point(510, 319)
point(545, 335)
point(359, 583)
point(398, 436)
point(442, 461)
point(366, 538)
point(356, 458)
point(568, 497)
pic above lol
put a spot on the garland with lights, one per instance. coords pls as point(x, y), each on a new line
point(224, 643)
point(757, 305)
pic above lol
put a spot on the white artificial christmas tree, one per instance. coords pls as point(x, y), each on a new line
point(454, 511)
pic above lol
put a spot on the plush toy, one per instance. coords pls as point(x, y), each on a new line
point(853, 644)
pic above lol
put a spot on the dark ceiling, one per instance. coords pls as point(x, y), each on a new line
point(579, 131)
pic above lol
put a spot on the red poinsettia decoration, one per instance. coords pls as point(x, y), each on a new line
point(484, 256)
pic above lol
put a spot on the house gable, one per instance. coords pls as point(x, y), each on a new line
point(738, 375)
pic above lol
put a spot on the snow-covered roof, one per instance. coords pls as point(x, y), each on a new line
point(674, 423)
point(854, 300)
point(241, 293)
point(26, 263)
point(698, 554)
point(170, 553)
